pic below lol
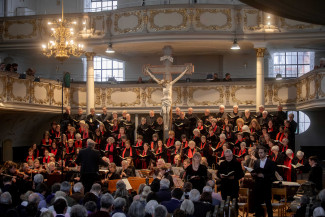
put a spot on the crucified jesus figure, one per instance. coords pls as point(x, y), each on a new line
point(166, 101)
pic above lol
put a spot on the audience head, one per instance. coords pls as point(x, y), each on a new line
point(160, 211)
point(78, 211)
point(60, 206)
point(78, 187)
point(194, 195)
point(91, 143)
point(5, 198)
point(318, 212)
point(119, 203)
point(38, 178)
point(96, 189)
point(118, 214)
point(65, 187)
point(300, 155)
point(179, 213)
point(228, 155)
point(136, 209)
point(107, 201)
point(188, 207)
point(91, 206)
point(155, 185)
point(150, 207)
point(34, 198)
point(177, 193)
point(313, 160)
point(164, 184)
point(187, 186)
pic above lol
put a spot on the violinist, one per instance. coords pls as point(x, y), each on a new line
point(126, 170)
point(51, 169)
point(177, 161)
point(112, 174)
point(30, 164)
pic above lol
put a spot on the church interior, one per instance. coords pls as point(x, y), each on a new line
point(231, 71)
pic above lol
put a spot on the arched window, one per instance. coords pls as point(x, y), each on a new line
point(302, 120)
point(108, 70)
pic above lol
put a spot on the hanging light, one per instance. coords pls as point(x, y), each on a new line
point(235, 45)
point(62, 45)
point(110, 48)
point(278, 77)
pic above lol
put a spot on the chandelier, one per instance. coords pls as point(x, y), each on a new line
point(62, 44)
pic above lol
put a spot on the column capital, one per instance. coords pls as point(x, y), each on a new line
point(260, 51)
point(90, 56)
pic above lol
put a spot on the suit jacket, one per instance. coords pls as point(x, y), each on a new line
point(89, 160)
point(268, 171)
point(163, 195)
point(171, 205)
point(316, 176)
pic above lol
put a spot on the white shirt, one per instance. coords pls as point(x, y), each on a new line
point(262, 162)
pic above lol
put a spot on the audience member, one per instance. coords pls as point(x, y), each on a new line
point(175, 202)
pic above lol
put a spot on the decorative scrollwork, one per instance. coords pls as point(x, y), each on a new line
point(182, 25)
point(235, 88)
point(298, 26)
point(226, 25)
point(258, 17)
point(110, 91)
point(10, 89)
point(276, 97)
point(8, 23)
point(191, 91)
point(139, 25)
point(45, 86)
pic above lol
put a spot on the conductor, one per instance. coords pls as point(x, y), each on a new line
point(90, 159)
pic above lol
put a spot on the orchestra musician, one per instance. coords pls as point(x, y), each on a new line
point(126, 170)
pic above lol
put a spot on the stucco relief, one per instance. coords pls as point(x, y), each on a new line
point(78, 96)
point(205, 96)
point(122, 97)
point(252, 20)
point(18, 89)
point(243, 94)
point(168, 19)
point(294, 25)
point(285, 93)
point(3, 88)
point(128, 22)
point(41, 93)
point(213, 19)
point(20, 29)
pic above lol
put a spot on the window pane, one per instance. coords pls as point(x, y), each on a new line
point(291, 71)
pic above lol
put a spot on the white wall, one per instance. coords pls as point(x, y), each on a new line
point(44, 6)
point(202, 65)
point(240, 65)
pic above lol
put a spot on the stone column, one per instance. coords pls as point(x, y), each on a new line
point(259, 76)
point(90, 94)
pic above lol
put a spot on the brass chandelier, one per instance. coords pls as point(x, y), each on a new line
point(62, 46)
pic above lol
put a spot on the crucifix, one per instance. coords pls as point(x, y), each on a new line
point(167, 69)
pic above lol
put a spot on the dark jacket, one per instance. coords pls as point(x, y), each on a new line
point(171, 205)
point(90, 159)
point(163, 195)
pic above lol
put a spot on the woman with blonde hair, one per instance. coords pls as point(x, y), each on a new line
point(254, 126)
